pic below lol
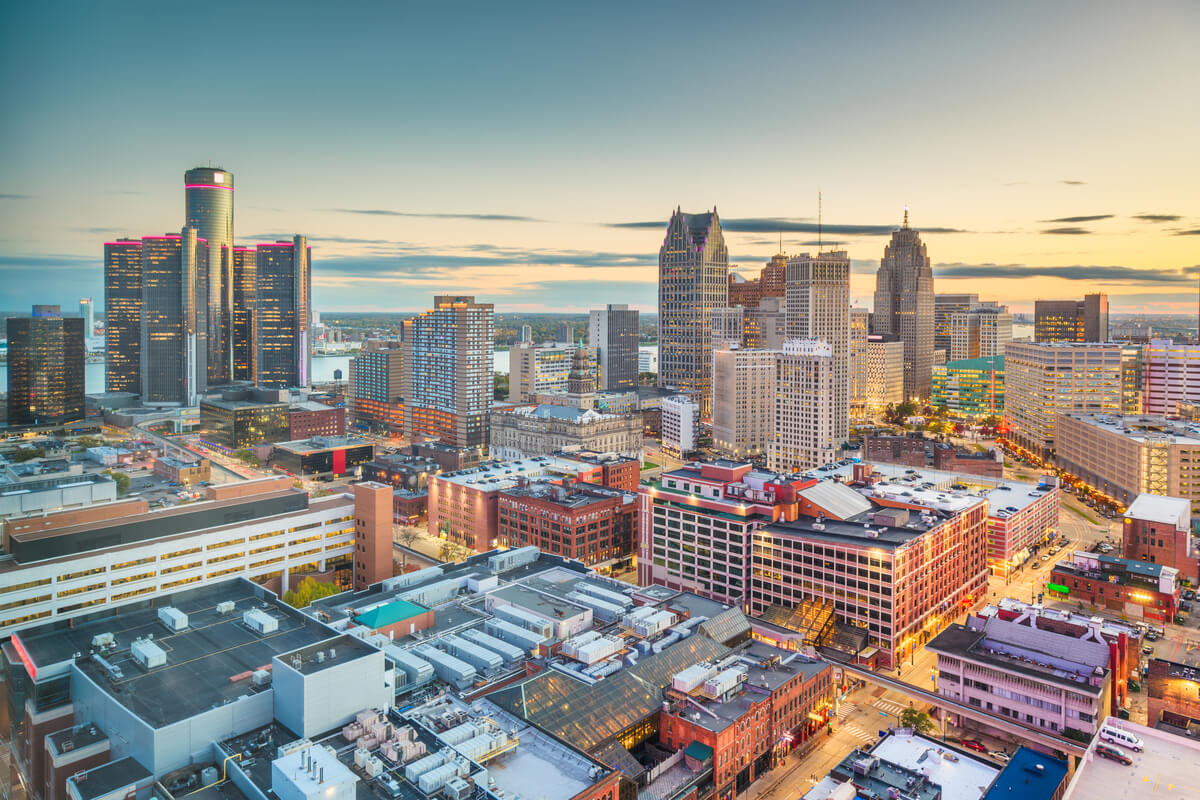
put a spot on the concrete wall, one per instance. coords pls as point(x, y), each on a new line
point(330, 697)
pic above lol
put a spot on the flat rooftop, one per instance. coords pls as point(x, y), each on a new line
point(548, 606)
point(233, 405)
point(966, 778)
point(496, 475)
point(1141, 428)
point(1000, 493)
point(200, 660)
point(1167, 769)
point(578, 496)
point(848, 532)
point(107, 778)
point(319, 444)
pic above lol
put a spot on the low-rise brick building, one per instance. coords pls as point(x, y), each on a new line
point(1137, 589)
point(184, 473)
point(593, 524)
point(1159, 530)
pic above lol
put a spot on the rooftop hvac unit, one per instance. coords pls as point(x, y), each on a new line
point(453, 671)
point(422, 765)
point(416, 669)
point(456, 789)
point(174, 619)
point(260, 677)
point(525, 619)
point(147, 653)
point(460, 733)
point(598, 650)
point(259, 621)
point(433, 594)
point(601, 609)
point(478, 657)
point(724, 682)
point(640, 613)
point(510, 653)
point(607, 595)
point(225, 607)
point(412, 578)
point(511, 559)
point(437, 777)
point(693, 677)
point(101, 640)
point(571, 646)
point(514, 634)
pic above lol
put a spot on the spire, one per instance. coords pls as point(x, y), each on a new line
point(819, 247)
point(906, 218)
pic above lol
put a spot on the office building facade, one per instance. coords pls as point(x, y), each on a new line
point(122, 315)
point(885, 373)
point(535, 369)
point(45, 368)
point(592, 524)
point(806, 434)
point(244, 319)
point(981, 332)
point(944, 307)
point(448, 371)
point(856, 362)
point(1083, 320)
point(377, 385)
point(1159, 530)
point(904, 306)
point(693, 279)
point(283, 309)
point(1044, 380)
point(613, 332)
point(173, 344)
point(818, 308)
point(208, 208)
point(743, 401)
point(972, 387)
point(1171, 376)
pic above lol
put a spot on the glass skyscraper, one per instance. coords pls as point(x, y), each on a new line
point(283, 310)
point(45, 368)
point(122, 315)
point(245, 293)
point(172, 368)
point(209, 209)
point(614, 332)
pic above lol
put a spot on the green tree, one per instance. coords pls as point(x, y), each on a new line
point(27, 454)
point(121, 479)
point(247, 456)
point(307, 591)
point(500, 386)
point(916, 720)
point(84, 442)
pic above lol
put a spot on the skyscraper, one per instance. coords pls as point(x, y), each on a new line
point(944, 305)
point(982, 332)
point(1083, 320)
point(856, 363)
point(614, 332)
point(448, 371)
point(283, 310)
point(122, 316)
point(818, 307)
point(804, 433)
point(171, 367)
point(904, 306)
point(45, 368)
point(87, 310)
point(693, 279)
point(208, 208)
point(245, 296)
point(377, 385)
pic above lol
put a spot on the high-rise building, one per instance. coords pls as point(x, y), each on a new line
point(283, 307)
point(87, 310)
point(680, 424)
point(613, 333)
point(904, 306)
point(1133, 383)
point(535, 369)
point(764, 325)
point(448, 371)
point(970, 387)
point(945, 305)
point(979, 332)
point(377, 385)
point(208, 208)
point(743, 400)
point(1083, 320)
point(566, 332)
point(45, 368)
point(693, 279)
point(818, 308)
point(728, 327)
point(526, 334)
point(1045, 380)
point(171, 352)
point(805, 435)
point(245, 295)
point(122, 315)
point(770, 282)
point(1172, 376)
point(885, 372)
point(856, 362)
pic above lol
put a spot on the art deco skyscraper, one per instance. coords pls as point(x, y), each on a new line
point(448, 371)
point(904, 306)
point(613, 332)
point(171, 367)
point(818, 308)
point(209, 209)
point(693, 279)
point(283, 310)
point(45, 368)
point(122, 315)
point(245, 294)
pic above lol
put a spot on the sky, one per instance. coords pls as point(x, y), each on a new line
point(531, 153)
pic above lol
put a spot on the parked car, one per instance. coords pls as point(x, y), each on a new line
point(1189, 594)
point(1113, 753)
point(1152, 635)
point(1036, 565)
point(1045, 558)
point(974, 744)
point(1001, 756)
point(1185, 605)
point(1148, 650)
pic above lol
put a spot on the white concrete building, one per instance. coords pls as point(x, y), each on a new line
point(805, 435)
point(885, 373)
point(743, 400)
point(680, 424)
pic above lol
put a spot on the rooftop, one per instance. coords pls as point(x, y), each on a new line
point(496, 475)
point(1029, 775)
point(579, 495)
point(976, 364)
point(108, 778)
point(1142, 429)
point(318, 444)
point(1167, 769)
point(962, 778)
point(1157, 508)
point(543, 605)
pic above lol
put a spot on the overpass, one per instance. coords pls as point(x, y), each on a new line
point(1043, 738)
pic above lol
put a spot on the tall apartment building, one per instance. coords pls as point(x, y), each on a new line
point(1083, 320)
point(885, 372)
point(208, 207)
point(87, 310)
point(856, 362)
point(904, 306)
point(448, 371)
point(614, 332)
point(764, 325)
point(818, 308)
point(743, 421)
point(945, 306)
point(173, 343)
point(45, 368)
point(1043, 380)
point(693, 279)
point(283, 308)
point(377, 385)
point(244, 349)
point(535, 369)
point(805, 433)
point(981, 332)
point(1123, 457)
point(122, 315)
point(1171, 376)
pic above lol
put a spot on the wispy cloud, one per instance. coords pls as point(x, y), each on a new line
point(7, 196)
point(100, 230)
point(1069, 231)
point(50, 262)
point(1092, 273)
point(789, 225)
point(1158, 217)
point(1090, 218)
point(1192, 232)
point(1074, 183)
point(383, 212)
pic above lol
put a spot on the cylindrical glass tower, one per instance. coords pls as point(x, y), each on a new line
point(209, 209)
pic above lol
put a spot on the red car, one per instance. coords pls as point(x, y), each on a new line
point(974, 744)
point(1114, 753)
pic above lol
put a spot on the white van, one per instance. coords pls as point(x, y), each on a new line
point(1117, 736)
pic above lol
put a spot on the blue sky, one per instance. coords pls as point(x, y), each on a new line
point(497, 148)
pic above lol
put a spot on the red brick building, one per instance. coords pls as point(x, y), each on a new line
point(907, 450)
point(1158, 530)
point(372, 533)
point(593, 524)
point(309, 419)
point(617, 472)
point(771, 282)
point(948, 458)
point(1137, 589)
point(1172, 690)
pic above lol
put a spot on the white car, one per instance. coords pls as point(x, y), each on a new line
point(1001, 756)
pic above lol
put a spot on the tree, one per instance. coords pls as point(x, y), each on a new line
point(500, 386)
point(121, 479)
point(247, 456)
point(27, 453)
point(307, 591)
point(86, 442)
point(916, 720)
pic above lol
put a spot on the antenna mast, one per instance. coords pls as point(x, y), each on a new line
point(819, 246)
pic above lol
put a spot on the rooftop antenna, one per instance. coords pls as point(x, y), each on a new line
point(906, 217)
point(819, 247)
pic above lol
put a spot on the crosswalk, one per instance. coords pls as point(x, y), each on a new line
point(846, 710)
point(865, 737)
point(889, 706)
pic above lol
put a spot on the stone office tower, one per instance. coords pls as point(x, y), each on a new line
point(693, 279)
point(904, 306)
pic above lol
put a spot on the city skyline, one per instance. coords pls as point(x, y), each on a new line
point(560, 197)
